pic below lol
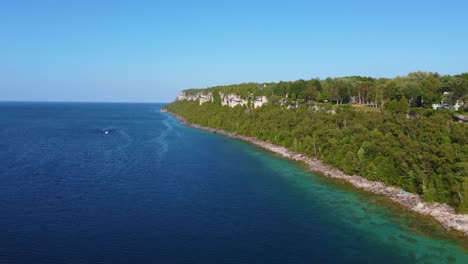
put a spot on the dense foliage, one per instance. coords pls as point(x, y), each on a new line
point(424, 152)
point(420, 88)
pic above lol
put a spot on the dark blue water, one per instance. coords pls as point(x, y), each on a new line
point(153, 191)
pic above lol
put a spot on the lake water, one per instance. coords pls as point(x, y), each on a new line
point(154, 191)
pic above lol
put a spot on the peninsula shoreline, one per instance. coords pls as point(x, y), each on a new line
point(442, 213)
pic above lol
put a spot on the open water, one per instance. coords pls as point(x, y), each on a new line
point(153, 191)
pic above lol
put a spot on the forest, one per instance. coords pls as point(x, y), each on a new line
point(421, 89)
point(381, 129)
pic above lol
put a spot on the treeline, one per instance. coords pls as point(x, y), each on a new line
point(425, 154)
point(420, 89)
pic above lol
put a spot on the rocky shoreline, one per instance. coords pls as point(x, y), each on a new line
point(443, 213)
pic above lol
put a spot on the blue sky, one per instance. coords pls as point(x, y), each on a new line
point(149, 50)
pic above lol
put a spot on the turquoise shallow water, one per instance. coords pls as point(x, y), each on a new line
point(376, 219)
point(154, 191)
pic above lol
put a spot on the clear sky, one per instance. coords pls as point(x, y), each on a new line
point(100, 50)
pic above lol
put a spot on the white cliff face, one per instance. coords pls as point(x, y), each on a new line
point(232, 100)
point(203, 98)
point(187, 97)
point(283, 101)
point(260, 101)
point(181, 96)
point(293, 104)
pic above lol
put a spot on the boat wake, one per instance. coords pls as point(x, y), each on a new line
point(162, 138)
point(125, 140)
